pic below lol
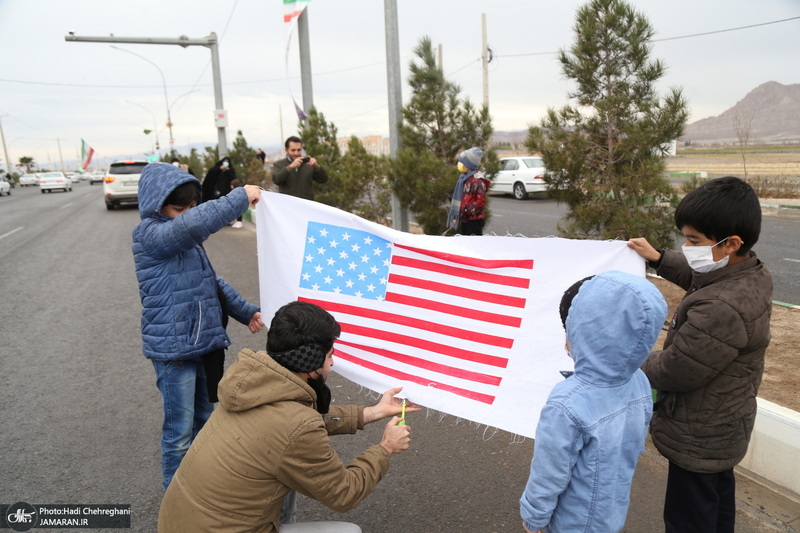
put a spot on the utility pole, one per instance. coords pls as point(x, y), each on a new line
point(280, 119)
point(210, 42)
point(485, 61)
point(394, 84)
point(305, 60)
point(440, 57)
point(5, 150)
point(60, 156)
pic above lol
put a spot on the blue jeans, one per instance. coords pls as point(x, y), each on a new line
point(186, 409)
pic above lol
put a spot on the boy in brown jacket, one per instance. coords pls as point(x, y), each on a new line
point(270, 436)
point(710, 367)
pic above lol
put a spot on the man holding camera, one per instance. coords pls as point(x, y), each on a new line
point(295, 174)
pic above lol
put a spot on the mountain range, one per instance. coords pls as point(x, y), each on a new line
point(775, 112)
point(774, 107)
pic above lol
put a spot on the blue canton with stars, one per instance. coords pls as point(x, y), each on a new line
point(345, 261)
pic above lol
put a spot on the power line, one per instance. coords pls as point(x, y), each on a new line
point(674, 38)
point(283, 78)
point(268, 80)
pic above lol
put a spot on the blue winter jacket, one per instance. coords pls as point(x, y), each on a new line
point(594, 424)
point(181, 313)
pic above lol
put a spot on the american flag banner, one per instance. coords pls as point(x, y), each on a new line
point(467, 325)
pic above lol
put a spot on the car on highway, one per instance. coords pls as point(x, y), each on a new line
point(54, 181)
point(5, 187)
point(96, 177)
point(121, 183)
point(28, 179)
point(519, 176)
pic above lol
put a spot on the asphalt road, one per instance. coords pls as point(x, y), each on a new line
point(778, 246)
point(80, 413)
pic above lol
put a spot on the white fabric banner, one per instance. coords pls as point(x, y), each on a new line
point(467, 325)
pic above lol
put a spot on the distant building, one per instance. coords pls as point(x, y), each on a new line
point(373, 144)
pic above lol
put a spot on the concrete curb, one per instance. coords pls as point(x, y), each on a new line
point(774, 452)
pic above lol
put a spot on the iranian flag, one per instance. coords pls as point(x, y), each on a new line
point(293, 9)
point(86, 153)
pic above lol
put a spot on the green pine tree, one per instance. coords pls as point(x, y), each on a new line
point(242, 155)
point(319, 141)
point(604, 153)
point(438, 125)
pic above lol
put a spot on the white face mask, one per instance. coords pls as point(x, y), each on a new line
point(701, 258)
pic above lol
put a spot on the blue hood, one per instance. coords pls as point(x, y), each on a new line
point(158, 180)
point(612, 325)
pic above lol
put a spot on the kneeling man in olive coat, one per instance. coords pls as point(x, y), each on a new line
point(270, 436)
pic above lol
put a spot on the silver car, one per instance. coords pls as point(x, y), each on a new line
point(54, 181)
point(520, 176)
point(121, 183)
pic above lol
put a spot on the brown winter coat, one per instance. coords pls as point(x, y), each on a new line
point(712, 362)
point(264, 439)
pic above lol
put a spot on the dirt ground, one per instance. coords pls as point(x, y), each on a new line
point(781, 383)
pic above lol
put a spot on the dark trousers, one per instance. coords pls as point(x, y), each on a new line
point(699, 503)
point(472, 227)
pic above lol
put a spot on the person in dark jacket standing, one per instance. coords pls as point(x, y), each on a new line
point(218, 180)
point(710, 367)
point(296, 174)
point(183, 300)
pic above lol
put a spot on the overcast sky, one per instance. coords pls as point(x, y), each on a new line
point(53, 89)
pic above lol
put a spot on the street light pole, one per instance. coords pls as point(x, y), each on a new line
point(166, 99)
point(5, 150)
point(210, 42)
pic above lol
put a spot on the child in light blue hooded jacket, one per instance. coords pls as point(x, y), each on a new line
point(593, 427)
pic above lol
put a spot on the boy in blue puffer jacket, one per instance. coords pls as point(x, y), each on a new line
point(594, 425)
point(184, 304)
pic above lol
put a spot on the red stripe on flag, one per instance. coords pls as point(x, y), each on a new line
point(397, 374)
point(460, 333)
point(425, 364)
point(485, 316)
point(471, 261)
point(488, 297)
point(287, 17)
point(510, 281)
point(422, 344)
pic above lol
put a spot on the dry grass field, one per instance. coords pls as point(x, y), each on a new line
point(718, 163)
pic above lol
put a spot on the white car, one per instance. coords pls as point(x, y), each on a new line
point(519, 176)
point(96, 177)
point(28, 179)
point(54, 181)
point(121, 183)
point(5, 187)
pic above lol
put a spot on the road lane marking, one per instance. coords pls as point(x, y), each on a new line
point(13, 231)
point(792, 260)
point(66, 206)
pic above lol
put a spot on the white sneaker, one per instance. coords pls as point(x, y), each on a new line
point(237, 224)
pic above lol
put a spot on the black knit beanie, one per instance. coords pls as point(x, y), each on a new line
point(566, 299)
point(305, 358)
